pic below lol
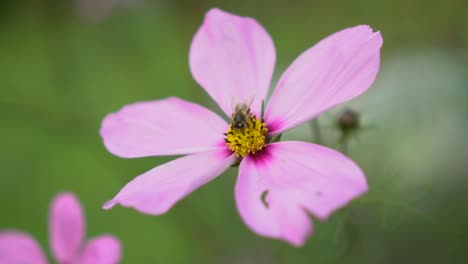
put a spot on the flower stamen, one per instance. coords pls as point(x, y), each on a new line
point(246, 134)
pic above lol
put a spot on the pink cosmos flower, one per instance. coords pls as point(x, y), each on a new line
point(67, 228)
point(279, 183)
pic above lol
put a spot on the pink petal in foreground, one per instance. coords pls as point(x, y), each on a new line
point(66, 227)
point(101, 250)
point(17, 248)
point(265, 211)
point(165, 127)
point(157, 190)
point(274, 190)
point(337, 69)
point(232, 58)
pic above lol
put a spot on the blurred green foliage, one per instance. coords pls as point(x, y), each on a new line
point(62, 71)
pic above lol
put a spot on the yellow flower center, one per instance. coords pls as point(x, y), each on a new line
point(246, 135)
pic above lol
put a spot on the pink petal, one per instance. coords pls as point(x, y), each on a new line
point(337, 69)
point(157, 190)
point(232, 58)
point(101, 250)
point(66, 227)
point(297, 176)
point(166, 127)
point(17, 248)
point(275, 216)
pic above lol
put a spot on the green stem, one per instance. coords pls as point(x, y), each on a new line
point(343, 143)
point(317, 135)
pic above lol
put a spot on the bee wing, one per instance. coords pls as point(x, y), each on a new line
point(250, 100)
point(236, 103)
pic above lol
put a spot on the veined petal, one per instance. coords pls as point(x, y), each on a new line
point(17, 247)
point(274, 190)
point(264, 210)
point(66, 227)
point(101, 250)
point(157, 190)
point(335, 70)
point(233, 59)
point(165, 127)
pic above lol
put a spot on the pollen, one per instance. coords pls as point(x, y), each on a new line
point(248, 138)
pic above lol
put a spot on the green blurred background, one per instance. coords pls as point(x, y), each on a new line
point(65, 64)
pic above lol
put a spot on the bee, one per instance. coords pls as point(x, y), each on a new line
point(241, 115)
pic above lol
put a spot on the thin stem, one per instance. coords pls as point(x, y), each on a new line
point(317, 135)
point(343, 147)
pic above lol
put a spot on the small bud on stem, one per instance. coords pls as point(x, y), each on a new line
point(348, 122)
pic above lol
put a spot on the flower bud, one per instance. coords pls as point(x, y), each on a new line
point(348, 120)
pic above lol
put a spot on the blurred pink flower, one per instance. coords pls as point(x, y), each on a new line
point(233, 58)
point(66, 234)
